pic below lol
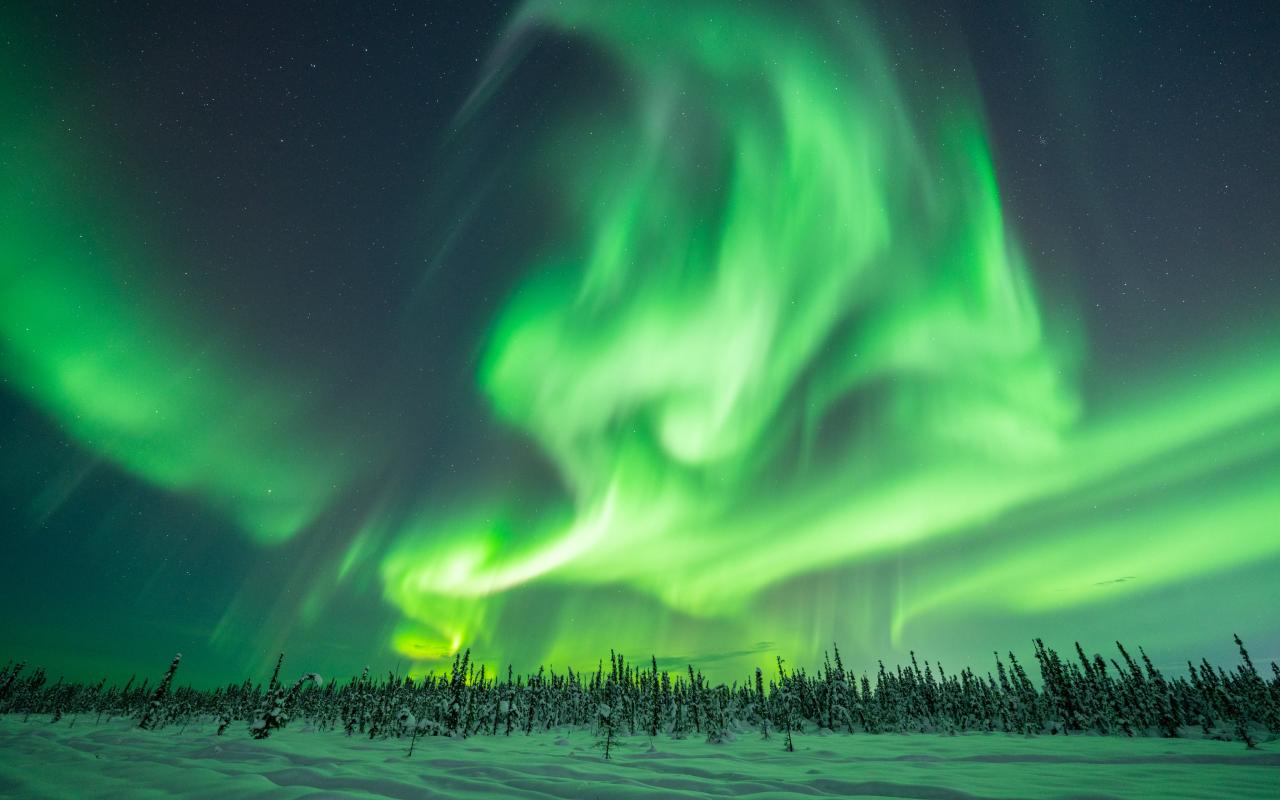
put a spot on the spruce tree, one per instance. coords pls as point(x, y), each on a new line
point(151, 718)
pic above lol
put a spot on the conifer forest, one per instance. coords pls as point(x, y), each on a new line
point(1080, 694)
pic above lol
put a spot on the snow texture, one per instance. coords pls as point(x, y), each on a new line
point(116, 760)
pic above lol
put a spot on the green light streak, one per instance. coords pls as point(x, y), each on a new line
point(795, 334)
point(130, 378)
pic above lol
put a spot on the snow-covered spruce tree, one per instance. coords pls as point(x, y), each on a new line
point(655, 713)
point(184, 707)
point(785, 706)
point(307, 684)
point(1008, 698)
point(117, 701)
point(695, 699)
point(826, 696)
point(226, 712)
point(606, 720)
point(868, 707)
point(105, 704)
point(842, 687)
point(478, 697)
point(509, 700)
point(679, 717)
point(534, 703)
point(1029, 715)
point(150, 718)
point(1167, 714)
point(363, 700)
point(58, 698)
point(376, 706)
point(1059, 693)
point(573, 700)
point(329, 706)
point(716, 724)
point(1146, 693)
point(1092, 696)
point(6, 690)
point(499, 701)
point(631, 697)
point(1205, 708)
point(668, 707)
point(760, 709)
point(1256, 694)
point(28, 692)
point(1107, 700)
point(406, 723)
point(1240, 716)
point(1273, 691)
point(945, 703)
point(86, 700)
point(350, 705)
point(271, 713)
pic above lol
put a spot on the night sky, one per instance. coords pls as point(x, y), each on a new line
point(717, 331)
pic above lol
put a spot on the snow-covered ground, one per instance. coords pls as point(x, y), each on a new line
point(40, 760)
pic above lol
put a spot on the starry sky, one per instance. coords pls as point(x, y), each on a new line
point(713, 330)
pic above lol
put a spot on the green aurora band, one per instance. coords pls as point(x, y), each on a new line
point(795, 333)
point(788, 343)
point(127, 374)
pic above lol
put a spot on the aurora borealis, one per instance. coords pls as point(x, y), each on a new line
point(712, 330)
